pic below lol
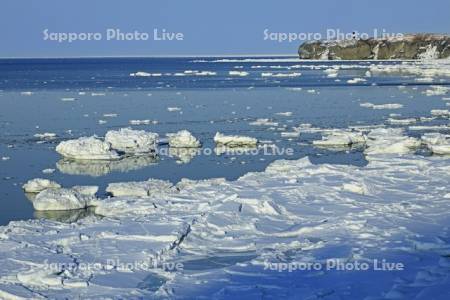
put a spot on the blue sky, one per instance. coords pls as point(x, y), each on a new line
point(209, 27)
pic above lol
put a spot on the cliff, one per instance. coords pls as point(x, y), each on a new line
point(414, 46)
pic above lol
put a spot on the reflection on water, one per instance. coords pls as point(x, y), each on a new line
point(183, 155)
point(97, 168)
point(66, 216)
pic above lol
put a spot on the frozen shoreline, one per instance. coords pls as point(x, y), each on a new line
point(293, 207)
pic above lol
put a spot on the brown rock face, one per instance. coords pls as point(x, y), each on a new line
point(417, 46)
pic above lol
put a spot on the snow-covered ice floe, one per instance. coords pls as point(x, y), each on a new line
point(228, 235)
point(437, 143)
point(390, 141)
point(132, 141)
point(234, 140)
point(183, 139)
point(406, 121)
point(356, 80)
point(341, 138)
point(238, 73)
point(263, 122)
point(39, 184)
point(65, 198)
point(381, 106)
point(87, 148)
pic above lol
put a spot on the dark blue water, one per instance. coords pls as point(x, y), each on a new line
point(208, 104)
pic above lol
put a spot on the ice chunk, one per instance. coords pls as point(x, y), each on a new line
point(438, 143)
point(238, 73)
point(440, 149)
point(291, 134)
point(138, 188)
point(284, 114)
point(68, 99)
point(263, 122)
point(440, 112)
point(407, 121)
point(340, 138)
point(183, 139)
point(437, 90)
point(38, 185)
point(355, 187)
point(45, 135)
point(234, 140)
point(390, 141)
point(87, 148)
point(140, 74)
point(356, 80)
point(381, 106)
point(132, 141)
point(63, 199)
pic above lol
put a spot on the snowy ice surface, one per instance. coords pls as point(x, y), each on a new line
point(234, 140)
point(132, 141)
point(224, 233)
point(87, 148)
point(183, 139)
point(39, 184)
point(138, 189)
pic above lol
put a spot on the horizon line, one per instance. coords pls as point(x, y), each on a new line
point(152, 56)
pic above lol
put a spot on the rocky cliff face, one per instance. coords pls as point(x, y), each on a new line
point(417, 46)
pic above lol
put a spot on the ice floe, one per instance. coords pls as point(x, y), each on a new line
point(39, 184)
point(45, 135)
point(406, 121)
point(381, 106)
point(64, 199)
point(390, 141)
point(437, 90)
point(356, 80)
point(87, 148)
point(132, 141)
point(280, 75)
point(440, 112)
point(234, 140)
point(340, 138)
point(238, 73)
point(263, 122)
point(437, 143)
point(183, 139)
